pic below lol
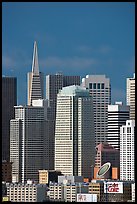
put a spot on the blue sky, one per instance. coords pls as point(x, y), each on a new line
point(76, 38)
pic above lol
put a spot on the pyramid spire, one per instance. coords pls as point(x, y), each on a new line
point(35, 65)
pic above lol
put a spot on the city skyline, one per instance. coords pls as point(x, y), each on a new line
point(75, 38)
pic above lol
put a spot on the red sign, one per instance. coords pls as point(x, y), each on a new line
point(113, 187)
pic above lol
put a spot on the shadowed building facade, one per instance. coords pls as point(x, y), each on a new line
point(9, 100)
point(31, 142)
point(54, 83)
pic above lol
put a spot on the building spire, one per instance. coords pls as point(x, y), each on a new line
point(35, 65)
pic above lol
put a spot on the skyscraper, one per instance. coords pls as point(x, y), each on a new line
point(54, 83)
point(131, 96)
point(106, 153)
point(127, 151)
point(71, 80)
point(31, 142)
point(9, 100)
point(35, 79)
point(100, 90)
point(117, 116)
point(74, 132)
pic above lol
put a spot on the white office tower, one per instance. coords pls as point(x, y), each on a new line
point(74, 132)
point(127, 151)
point(100, 90)
point(117, 116)
point(35, 79)
point(31, 141)
point(133, 192)
point(131, 96)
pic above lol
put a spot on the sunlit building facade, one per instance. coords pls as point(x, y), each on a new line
point(74, 132)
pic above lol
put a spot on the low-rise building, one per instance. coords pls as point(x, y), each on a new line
point(111, 190)
point(67, 189)
point(45, 176)
point(29, 192)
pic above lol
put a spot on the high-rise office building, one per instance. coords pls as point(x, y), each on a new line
point(117, 116)
point(35, 79)
point(31, 142)
point(127, 151)
point(100, 90)
point(106, 153)
point(74, 132)
point(130, 94)
point(71, 80)
point(54, 83)
point(9, 100)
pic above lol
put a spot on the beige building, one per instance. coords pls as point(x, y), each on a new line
point(67, 189)
point(45, 176)
point(28, 192)
point(130, 94)
point(74, 132)
point(96, 188)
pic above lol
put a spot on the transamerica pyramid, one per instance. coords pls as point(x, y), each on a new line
point(35, 79)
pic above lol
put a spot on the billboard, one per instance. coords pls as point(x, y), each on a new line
point(113, 187)
point(86, 197)
point(105, 171)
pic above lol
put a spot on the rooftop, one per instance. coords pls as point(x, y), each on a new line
point(74, 90)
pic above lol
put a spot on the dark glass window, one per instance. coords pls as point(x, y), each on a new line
point(94, 86)
point(102, 86)
point(98, 86)
point(128, 129)
point(90, 85)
